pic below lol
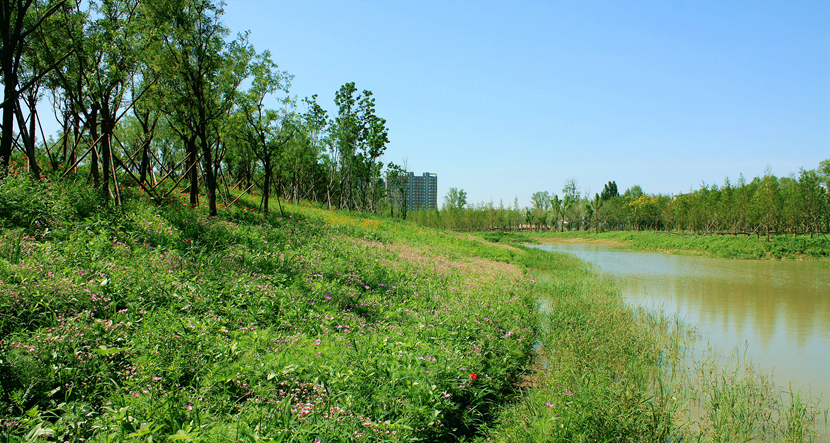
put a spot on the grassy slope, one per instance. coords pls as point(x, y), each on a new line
point(154, 322)
point(726, 246)
point(157, 321)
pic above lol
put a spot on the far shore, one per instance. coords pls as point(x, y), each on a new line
point(775, 247)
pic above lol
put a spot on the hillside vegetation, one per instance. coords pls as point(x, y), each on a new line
point(150, 322)
point(121, 324)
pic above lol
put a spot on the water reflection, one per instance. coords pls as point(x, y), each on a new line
point(779, 310)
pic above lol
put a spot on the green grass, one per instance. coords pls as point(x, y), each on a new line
point(610, 372)
point(156, 323)
point(725, 246)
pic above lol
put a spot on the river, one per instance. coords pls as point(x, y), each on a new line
point(777, 311)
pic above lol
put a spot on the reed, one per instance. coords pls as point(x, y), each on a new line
point(611, 372)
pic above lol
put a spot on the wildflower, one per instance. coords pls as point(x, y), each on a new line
point(473, 375)
point(548, 404)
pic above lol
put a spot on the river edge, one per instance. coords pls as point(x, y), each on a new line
point(780, 247)
point(727, 376)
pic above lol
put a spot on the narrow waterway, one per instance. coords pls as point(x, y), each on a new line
point(778, 311)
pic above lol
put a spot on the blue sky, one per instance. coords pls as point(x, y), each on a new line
point(503, 99)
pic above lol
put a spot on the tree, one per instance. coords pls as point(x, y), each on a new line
point(569, 203)
point(766, 203)
point(593, 208)
point(113, 50)
point(541, 206)
point(266, 131)
point(634, 192)
point(557, 212)
point(455, 200)
point(609, 191)
point(18, 20)
point(360, 138)
point(824, 173)
point(397, 187)
point(304, 152)
point(201, 73)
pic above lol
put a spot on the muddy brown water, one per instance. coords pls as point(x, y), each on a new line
point(778, 312)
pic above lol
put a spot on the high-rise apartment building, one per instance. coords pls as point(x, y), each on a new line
point(421, 190)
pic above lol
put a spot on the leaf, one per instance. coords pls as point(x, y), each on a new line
point(103, 351)
point(37, 432)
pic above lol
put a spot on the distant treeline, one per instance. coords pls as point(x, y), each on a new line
point(765, 205)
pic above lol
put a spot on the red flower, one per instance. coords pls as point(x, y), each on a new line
point(187, 241)
point(473, 375)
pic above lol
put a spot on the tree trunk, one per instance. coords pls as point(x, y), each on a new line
point(27, 141)
point(266, 188)
point(210, 172)
point(8, 120)
point(194, 171)
point(93, 132)
point(107, 126)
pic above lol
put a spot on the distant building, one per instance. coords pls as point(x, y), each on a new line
point(421, 190)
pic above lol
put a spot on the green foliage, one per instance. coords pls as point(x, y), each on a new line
point(158, 322)
point(597, 357)
point(610, 372)
point(766, 206)
point(38, 206)
point(455, 200)
point(725, 246)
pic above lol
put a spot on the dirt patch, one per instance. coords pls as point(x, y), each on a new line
point(597, 241)
point(430, 258)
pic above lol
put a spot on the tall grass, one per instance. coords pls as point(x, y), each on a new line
point(157, 323)
point(612, 372)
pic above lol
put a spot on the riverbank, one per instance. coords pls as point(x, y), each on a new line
point(158, 322)
point(781, 246)
point(616, 372)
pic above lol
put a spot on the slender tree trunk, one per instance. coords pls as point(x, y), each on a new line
point(266, 188)
point(76, 136)
point(27, 141)
point(93, 132)
point(9, 87)
point(148, 131)
point(194, 170)
point(210, 172)
point(6, 140)
point(145, 161)
point(107, 126)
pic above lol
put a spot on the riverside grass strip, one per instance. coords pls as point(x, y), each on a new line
point(779, 246)
point(156, 323)
point(610, 372)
